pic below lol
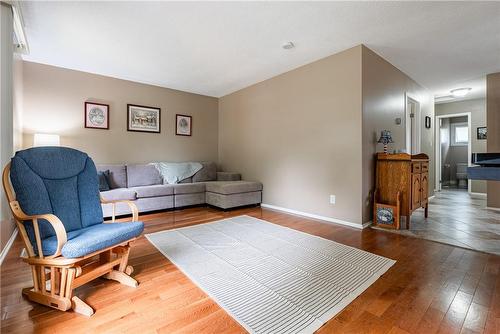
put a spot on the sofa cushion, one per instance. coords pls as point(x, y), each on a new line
point(142, 175)
point(233, 187)
point(181, 200)
point(119, 194)
point(153, 190)
point(207, 173)
point(117, 177)
point(187, 180)
point(91, 239)
point(103, 180)
point(189, 188)
point(228, 176)
point(233, 200)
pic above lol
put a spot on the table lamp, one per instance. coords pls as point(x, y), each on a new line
point(385, 138)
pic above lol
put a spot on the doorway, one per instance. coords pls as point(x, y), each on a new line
point(413, 129)
point(453, 151)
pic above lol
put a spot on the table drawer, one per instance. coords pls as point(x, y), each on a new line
point(425, 167)
point(416, 168)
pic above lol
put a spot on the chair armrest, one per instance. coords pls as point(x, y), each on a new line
point(227, 176)
point(56, 223)
point(131, 205)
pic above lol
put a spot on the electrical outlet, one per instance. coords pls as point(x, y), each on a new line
point(332, 199)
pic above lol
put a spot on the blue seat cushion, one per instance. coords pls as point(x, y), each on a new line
point(93, 238)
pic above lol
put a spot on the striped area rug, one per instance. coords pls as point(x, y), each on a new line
point(270, 278)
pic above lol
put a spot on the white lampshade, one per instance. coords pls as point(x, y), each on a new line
point(43, 139)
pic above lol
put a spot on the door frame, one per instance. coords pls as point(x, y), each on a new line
point(437, 144)
point(418, 113)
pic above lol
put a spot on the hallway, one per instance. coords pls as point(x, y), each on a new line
point(457, 219)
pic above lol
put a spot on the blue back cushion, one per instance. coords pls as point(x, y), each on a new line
point(57, 180)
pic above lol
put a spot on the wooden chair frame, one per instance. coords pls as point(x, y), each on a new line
point(55, 277)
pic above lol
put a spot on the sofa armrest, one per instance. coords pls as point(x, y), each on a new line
point(227, 176)
point(132, 206)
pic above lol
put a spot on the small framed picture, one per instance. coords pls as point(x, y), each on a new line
point(427, 122)
point(96, 115)
point(386, 215)
point(143, 118)
point(482, 133)
point(183, 125)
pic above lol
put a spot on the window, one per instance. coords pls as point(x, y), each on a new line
point(459, 134)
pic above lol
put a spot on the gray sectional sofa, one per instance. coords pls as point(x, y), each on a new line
point(143, 184)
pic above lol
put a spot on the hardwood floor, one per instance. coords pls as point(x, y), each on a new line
point(433, 288)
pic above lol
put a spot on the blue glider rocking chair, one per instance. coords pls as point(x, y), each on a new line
point(57, 208)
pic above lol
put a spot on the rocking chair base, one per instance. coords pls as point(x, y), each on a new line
point(122, 278)
point(65, 301)
point(60, 303)
point(79, 306)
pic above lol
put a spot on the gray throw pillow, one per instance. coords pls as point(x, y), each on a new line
point(103, 180)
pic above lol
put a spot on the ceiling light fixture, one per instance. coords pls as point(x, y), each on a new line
point(288, 45)
point(460, 92)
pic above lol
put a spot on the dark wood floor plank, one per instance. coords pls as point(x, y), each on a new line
point(432, 288)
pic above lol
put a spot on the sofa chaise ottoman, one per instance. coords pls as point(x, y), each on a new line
point(143, 184)
point(230, 194)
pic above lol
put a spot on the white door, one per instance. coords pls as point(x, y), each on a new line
point(413, 125)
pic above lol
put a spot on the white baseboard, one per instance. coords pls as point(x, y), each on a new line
point(477, 195)
point(369, 223)
point(7, 247)
point(431, 197)
point(492, 208)
point(314, 216)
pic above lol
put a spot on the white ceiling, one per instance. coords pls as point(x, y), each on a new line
point(218, 48)
point(477, 86)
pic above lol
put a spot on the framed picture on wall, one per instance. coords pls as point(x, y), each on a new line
point(482, 132)
point(183, 125)
point(143, 118)
point(96, 115)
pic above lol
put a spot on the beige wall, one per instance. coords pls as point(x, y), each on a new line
point(306, 134)
point(300, 134)
point(384, 89)
point(54, 101)
point(493, 121)
point(477, 108)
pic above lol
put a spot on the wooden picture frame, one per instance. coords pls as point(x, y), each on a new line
point(392, 211)
point(96, 115)
point(183, 125)
point(482, 133)
point(143, 118)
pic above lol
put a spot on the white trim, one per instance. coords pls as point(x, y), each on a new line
point(431, 197)
point(477, 195)
point(418, 118)
point(492, 208)
point(437, 144)
point(18, 27)
point(8, 245)
point(314, 216)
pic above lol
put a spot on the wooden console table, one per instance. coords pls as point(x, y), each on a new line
point(406, 174)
